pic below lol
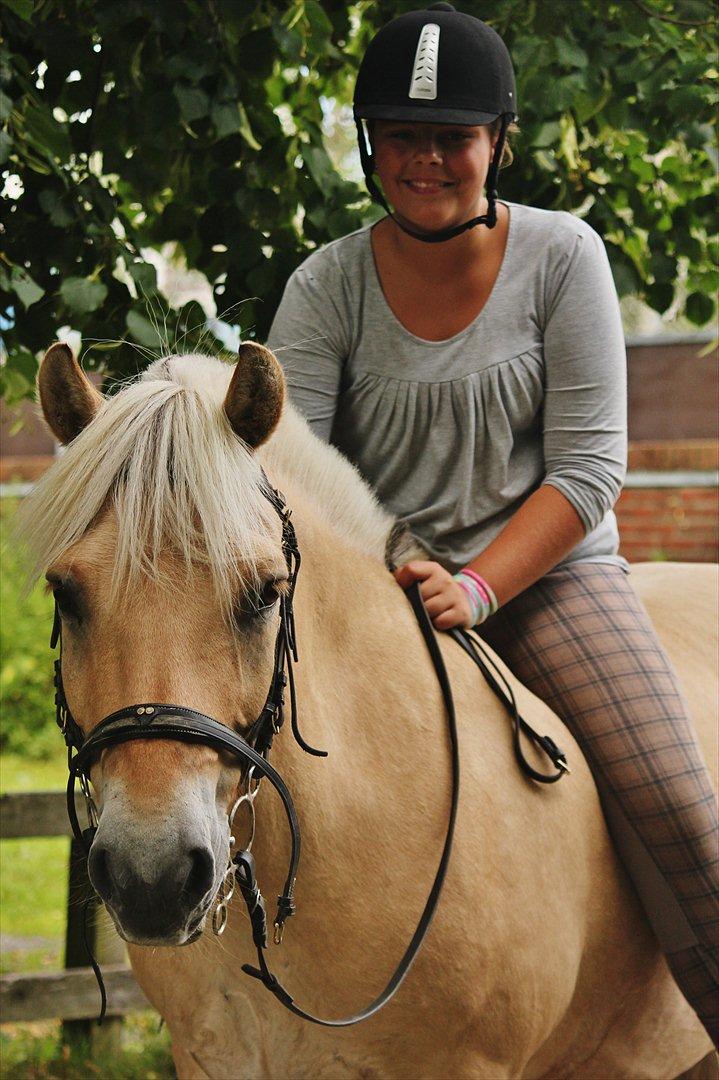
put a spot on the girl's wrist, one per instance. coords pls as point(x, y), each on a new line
point(480, 596)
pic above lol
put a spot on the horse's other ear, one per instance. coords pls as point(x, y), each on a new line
point(255, 394)
point(69, 400)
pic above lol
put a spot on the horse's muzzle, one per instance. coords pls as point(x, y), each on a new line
point(164, 904)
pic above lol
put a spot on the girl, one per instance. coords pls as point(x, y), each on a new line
point(467, 354)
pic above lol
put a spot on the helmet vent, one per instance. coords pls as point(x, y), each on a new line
point(423, 83)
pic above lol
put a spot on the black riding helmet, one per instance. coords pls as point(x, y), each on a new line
point(436, 66)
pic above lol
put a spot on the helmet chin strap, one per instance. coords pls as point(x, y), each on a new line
point(489, 219)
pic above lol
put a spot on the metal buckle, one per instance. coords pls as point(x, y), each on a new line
point(249, 798)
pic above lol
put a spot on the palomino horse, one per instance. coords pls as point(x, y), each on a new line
point(166, 563)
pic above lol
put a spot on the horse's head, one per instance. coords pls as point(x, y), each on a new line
point(166, 562)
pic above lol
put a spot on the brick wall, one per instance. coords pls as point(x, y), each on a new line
point(681, 522)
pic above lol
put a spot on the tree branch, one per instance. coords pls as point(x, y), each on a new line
point(667, 19)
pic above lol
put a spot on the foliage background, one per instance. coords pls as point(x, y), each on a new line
point(26, 672)
point(207, 123)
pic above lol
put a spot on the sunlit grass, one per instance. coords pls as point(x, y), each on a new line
point(26, 690)
point(33, 899)
point(33, 877)
point(19, 774)
point(38, 1052)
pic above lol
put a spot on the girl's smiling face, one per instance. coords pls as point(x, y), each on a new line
point(433, 174)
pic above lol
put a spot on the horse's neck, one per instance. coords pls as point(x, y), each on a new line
point(346, 598)
point(357, 646)
point(316, 474)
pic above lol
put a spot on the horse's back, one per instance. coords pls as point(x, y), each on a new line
point(683, 603)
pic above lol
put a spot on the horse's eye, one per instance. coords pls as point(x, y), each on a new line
point(268, 597)
point(259, 603)
point(67, 603)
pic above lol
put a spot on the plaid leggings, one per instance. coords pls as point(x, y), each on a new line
point(581, 640)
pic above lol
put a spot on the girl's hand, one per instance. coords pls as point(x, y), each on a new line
point(446, 602)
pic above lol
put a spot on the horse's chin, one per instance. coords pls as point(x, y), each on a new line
point(187, 936)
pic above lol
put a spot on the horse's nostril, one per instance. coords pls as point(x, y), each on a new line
point(201, 874)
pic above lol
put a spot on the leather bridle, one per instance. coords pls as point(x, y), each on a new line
point(158, 720)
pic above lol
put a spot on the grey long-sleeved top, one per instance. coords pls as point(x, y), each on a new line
point(454, 435)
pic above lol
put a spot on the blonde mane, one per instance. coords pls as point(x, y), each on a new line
point(162, 454)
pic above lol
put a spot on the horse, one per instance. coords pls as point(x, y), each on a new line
point(166, 562)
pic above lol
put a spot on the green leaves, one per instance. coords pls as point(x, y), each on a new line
point(226, 118)
point(194, 103)
point(56, 207)
point(21, 8)
point(699, 308)
point(245, 129)
point(82, 295)
point(219, 128)
point(145, 277)
point(569, 54)
point(27, 291)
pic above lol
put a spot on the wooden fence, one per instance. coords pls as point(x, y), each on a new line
point(72, 994)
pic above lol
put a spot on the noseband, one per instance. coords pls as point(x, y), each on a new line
point(157, 720)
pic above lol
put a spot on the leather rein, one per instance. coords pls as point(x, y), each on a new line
point(155, 720)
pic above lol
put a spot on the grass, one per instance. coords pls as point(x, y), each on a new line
point(28, 714)
point(39, 1052)
point(33, 876)
point(19, 774)
point(33, 896)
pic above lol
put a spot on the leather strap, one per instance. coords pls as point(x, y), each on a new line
point(502, 689)
point(248, 885)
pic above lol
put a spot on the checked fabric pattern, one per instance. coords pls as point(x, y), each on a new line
point(581, 640)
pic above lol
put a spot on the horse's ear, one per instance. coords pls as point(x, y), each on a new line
point(69, 400)
point(255, 394)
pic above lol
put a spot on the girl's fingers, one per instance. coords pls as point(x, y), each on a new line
point(436, 605)
point(452, 617)
point(432, 587)
point(420, 571)
point(443, 598)
point(446, 600)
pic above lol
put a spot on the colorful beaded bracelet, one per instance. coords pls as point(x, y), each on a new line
point(482, 601)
